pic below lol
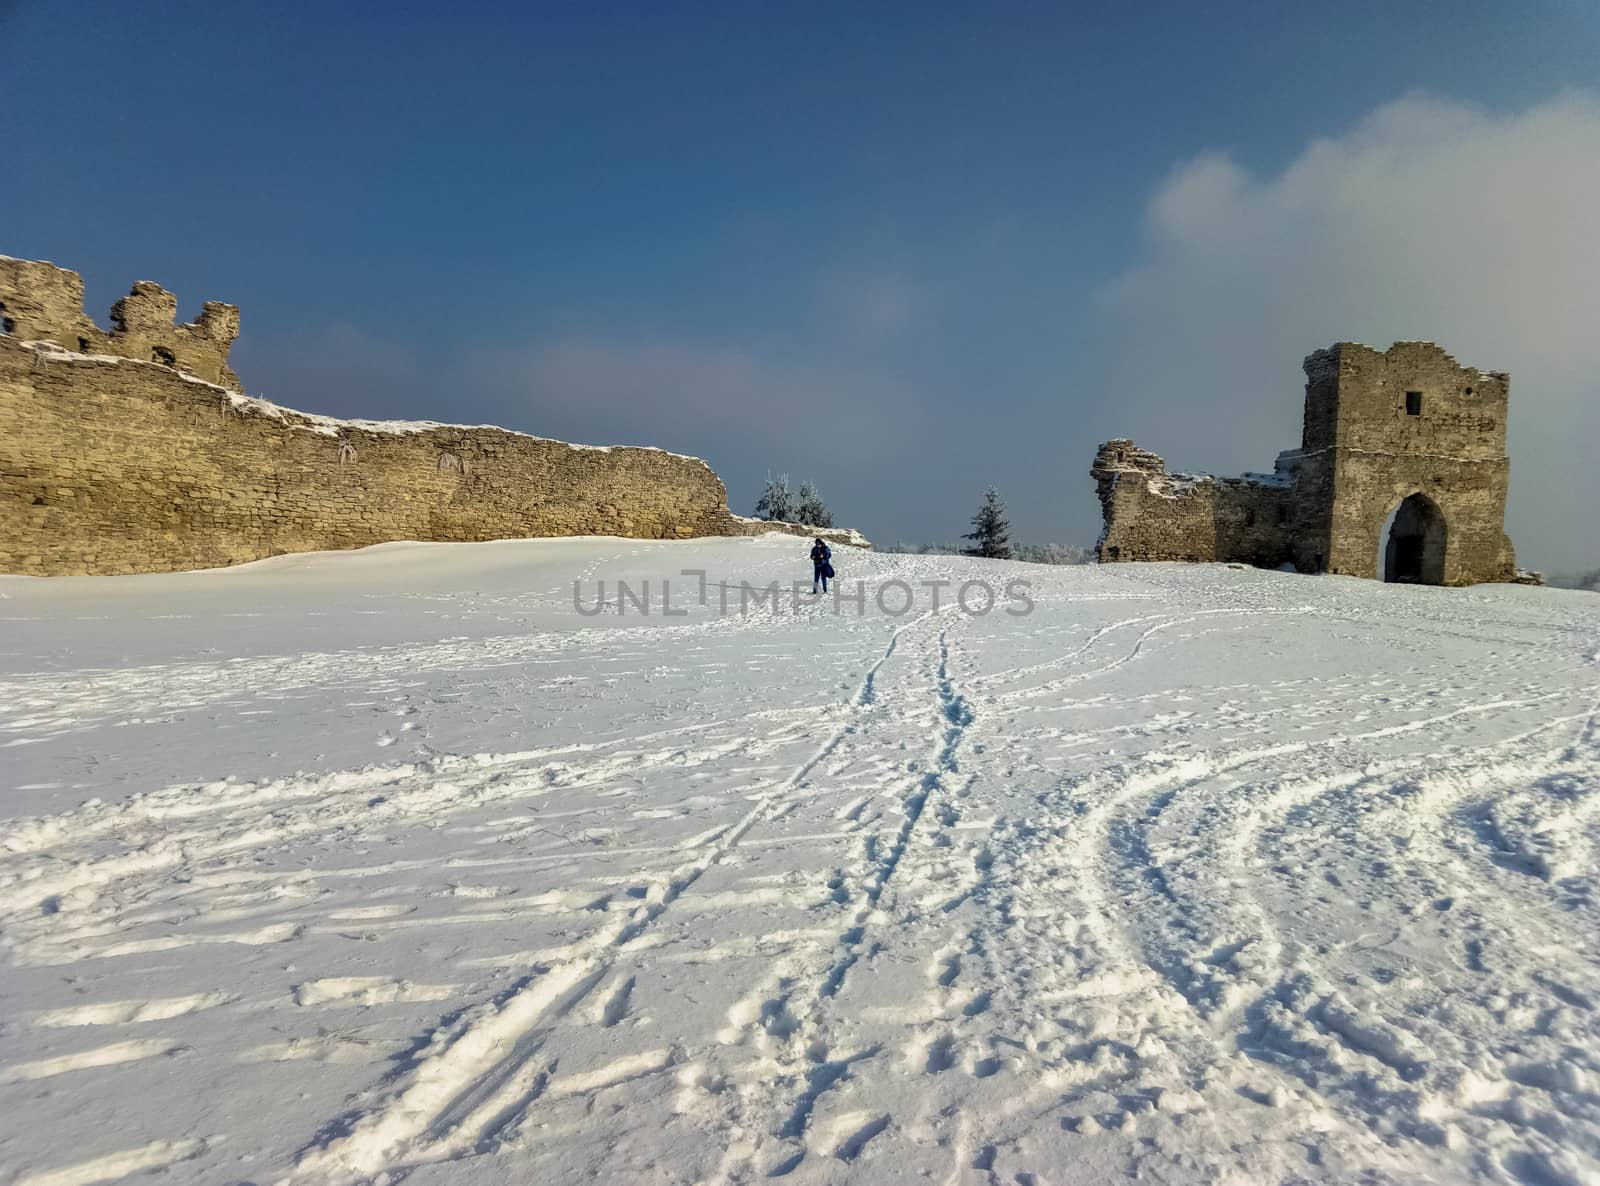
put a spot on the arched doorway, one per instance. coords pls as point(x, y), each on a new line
point(1411, 544)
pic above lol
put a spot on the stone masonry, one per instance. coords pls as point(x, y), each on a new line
point(1401, 473)
point(135, 451)
point(41, 302)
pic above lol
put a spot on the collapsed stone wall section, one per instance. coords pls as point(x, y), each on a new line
point(1152, 514)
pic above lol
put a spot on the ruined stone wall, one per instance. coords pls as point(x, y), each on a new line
point(1380, 427)
point(116, 466)
point(1151, 514)
point(1462, 409)
point(1314, 477)
point(44, 302)
point(112, 464)
point(1254, 522)
point(41, 302)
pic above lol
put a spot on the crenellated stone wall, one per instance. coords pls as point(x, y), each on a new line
point(41, 302)
point(1402, 466)
point(133, 451)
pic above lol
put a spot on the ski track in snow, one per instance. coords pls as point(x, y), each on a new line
point(411, 871)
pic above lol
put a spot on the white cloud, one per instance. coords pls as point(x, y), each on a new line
point(653, 390)
point(1429, 219)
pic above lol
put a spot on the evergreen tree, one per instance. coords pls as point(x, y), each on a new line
point(811, 510)
point(990, 534)
point(776, 501)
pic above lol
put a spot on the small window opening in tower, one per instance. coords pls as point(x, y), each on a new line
point(1469, 391)
point(7, 325)
point(1250, 518)
point(1413, 403)
point(164, 356)
point(1283, 513)
point(83, 345)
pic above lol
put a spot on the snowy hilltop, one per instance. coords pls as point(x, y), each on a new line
point(572, 860)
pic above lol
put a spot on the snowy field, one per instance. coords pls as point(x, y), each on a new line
point(391, 865)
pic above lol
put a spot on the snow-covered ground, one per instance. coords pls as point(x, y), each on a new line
point(391, 864)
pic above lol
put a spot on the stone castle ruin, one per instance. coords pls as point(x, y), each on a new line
point(135, 450)
point(1401, 475)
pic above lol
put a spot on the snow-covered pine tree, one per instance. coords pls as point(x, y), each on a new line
point(777, 500)
point(811, 510)
point(991, 533)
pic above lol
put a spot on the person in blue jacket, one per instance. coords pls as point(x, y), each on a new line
point(821, 568)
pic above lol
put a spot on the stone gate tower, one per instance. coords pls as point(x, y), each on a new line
point(1401, 474)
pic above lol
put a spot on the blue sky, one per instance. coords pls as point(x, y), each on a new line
point(905, 249)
